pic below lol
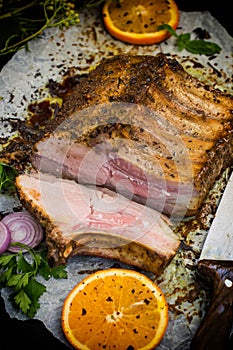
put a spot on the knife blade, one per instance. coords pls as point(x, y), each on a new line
point(216, 267)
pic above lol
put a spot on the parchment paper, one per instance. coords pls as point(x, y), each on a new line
point(24, 80)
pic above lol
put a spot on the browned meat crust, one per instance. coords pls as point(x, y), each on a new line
point(197, 115)
point(146, 80)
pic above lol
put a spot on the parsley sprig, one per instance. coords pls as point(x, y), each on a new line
point(19, 274)
point(7, 177)
point(196, 46)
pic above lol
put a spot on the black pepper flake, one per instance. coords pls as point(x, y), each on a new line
point(11, 98)
point(109, 299)
point(84, 311)
point(146, 301)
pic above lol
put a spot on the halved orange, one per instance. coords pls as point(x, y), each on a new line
point(137, 21)
point(115, 309)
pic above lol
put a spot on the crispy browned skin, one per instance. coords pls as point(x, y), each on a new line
point(155, 81)
point(201, 116)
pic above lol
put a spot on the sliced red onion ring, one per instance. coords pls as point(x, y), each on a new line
point(5, 237)
point(24, 229)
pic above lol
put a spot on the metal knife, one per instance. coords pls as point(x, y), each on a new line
point(216, 267)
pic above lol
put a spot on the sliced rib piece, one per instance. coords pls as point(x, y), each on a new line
point(142, 126)
point(86, 220)
point(149, 164)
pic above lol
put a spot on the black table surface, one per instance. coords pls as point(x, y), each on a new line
point(32, 333)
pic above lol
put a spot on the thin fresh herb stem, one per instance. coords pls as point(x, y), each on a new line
point(23, 41)
point(38, 32)
point(93, 3)
point(47, 14)
point(17, 10)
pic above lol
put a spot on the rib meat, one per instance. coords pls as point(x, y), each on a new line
point(144, 127)
point(84, 220)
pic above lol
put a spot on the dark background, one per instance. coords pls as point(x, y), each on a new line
point(32, 333)
point(220, 10)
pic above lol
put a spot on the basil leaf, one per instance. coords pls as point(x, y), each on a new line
point(202, 47)
point(182, 41)
point(168, 28)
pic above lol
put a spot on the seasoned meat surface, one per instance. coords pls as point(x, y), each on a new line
point(144, 127)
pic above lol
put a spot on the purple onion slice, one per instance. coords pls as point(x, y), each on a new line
point(5, 237)
point(24, 229)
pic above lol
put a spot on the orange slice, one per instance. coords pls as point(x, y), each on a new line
point(136, 22)
point(115, 309)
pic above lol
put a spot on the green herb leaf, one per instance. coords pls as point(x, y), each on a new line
point(168, 28)
point(204, 47)
point(47, 272)
point(34, 290)
point(19, 274)
point(14, 280)
point(6, 260)
point(197, 46)
point(22, 300)
point(23, 265)
point(5, 276)
point(182, 41)
point(7, 177)
point(58, 272)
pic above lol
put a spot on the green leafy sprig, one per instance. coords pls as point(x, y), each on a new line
point(196, 46)
point(20, 275)
point(30, 18)
point(7, 177)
